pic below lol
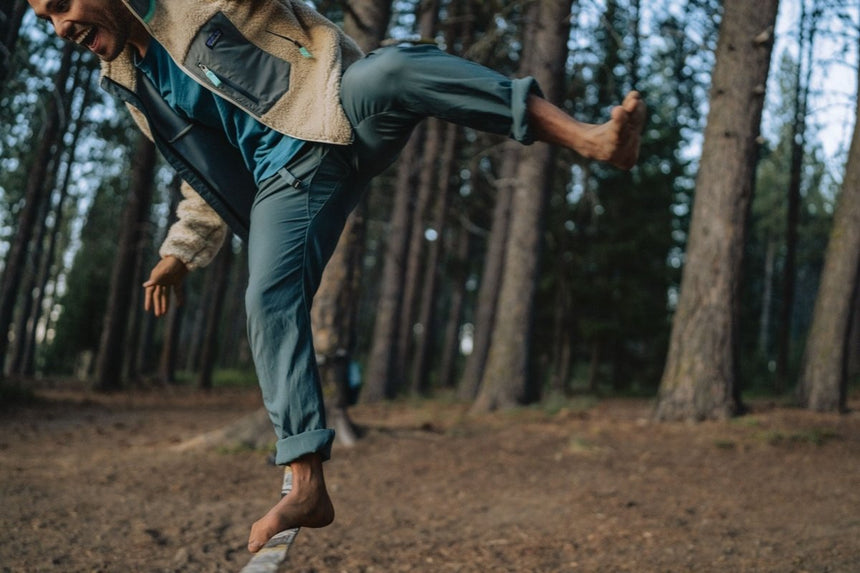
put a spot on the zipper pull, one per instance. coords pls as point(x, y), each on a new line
point(210, 75)
point(305, 52)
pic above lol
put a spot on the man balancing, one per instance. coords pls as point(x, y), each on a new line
point(276, 122)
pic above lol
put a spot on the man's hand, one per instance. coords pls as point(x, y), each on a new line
point(169, 272)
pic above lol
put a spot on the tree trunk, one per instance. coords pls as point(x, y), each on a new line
point(334, 313)
point(822, 384)
point(47, 140)
point(167, 360)
point(415, 276)
point(766, 300)
point(424, 339)
point(427, 184)
point(798, 142)
point(220, 278)
point(852, 366)
point(491, 277)
point(594, 366)
point(493, 265)
point(451, 340)
point(112, 345)
point(380, 378)
point(392, 327)
point(196, 332)
point(562, 354)
point(235, 339)
point(136, 319)
point(700, 377)
point(25, 324)
point(334, 318)
point(366, 22)
point(32, 288)
point(505, 382)
point(11, 16)
point(45, 271)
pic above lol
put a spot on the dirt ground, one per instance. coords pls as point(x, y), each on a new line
point(94, 483)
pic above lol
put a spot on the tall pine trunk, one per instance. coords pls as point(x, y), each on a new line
point(334, 314)
point(451, 339)
point(491, 276)
point(423, 342)
point(112, 347)
point(415, 270)
point(392, 327)
point(45, 272)
point(505, 381)
point(220, 279)
point(798, 141)
point(167, 360)
point(25, 324)
point(822, 384)
point(48, 139)
point(380, 381)
point(11, 16)
point(701, 374)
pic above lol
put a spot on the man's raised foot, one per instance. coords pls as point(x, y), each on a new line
point(615, 142)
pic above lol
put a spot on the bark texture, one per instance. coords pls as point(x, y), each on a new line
point(112, 347)
point(423, 342)
point(491, 277)
point(380, 379)
point(505, 380)
point(334, 314)
point(700, 378)
point(220, 277)
point(48, 139)
point(822, 385)
point(167, 359)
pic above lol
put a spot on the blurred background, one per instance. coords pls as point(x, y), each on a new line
point(475, 268)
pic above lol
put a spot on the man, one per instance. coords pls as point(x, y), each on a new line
point(276, 122)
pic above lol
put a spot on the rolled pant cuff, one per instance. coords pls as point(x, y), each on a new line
point(294, 447)
point(521, 89)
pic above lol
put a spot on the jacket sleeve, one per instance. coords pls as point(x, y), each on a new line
point(196, 237)
point(198, 234)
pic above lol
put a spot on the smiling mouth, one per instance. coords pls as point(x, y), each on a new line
point(85, 37)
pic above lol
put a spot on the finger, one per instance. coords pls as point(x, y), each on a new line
point(147, 298)
point(162, 300)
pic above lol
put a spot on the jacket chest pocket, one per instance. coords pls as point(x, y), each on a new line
point(235, 68)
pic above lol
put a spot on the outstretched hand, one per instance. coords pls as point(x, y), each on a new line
point(168, 273)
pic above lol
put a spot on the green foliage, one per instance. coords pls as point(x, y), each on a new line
point(767, 228)
point(616, 239)
point(234, 378)
point(88, 281)
point(811, 436)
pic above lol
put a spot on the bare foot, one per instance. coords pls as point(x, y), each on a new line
point(616, 141)
point(307, 505)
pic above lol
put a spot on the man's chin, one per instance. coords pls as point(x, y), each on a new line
point(108, 55)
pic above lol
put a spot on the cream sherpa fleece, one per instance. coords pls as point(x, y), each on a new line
point(310, 110)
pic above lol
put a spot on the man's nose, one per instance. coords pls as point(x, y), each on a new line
point(61, 27)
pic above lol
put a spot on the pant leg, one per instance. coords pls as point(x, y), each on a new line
point(389, 91)
point(296, 220)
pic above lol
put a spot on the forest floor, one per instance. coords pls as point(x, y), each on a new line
point(94, 483)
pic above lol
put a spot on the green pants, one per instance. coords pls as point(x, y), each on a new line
point(298, 214)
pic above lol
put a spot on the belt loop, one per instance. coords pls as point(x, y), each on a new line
point(290, 178)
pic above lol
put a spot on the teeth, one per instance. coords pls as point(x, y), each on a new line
point(82, 35)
